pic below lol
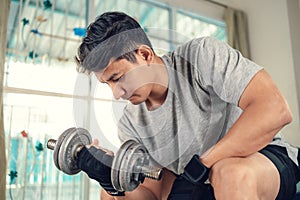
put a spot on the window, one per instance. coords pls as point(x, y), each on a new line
point(199, 26)
point(44, 95)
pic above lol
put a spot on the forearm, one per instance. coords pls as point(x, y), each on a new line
point(255, 128)
point(226, 148)
point(265, 112)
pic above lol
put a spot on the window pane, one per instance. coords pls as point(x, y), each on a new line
point(59, 78)
point(41, 44)
point(192, 25)
point(47, 32)
point(31, 120)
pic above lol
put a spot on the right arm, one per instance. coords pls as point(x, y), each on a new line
point(149, 190)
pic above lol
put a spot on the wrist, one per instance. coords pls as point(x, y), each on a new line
point(206, 159)
point(205, 162)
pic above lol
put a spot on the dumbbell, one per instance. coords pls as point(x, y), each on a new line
point(66, 148)
point(130, 164)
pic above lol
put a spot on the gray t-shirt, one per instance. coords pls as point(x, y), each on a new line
point(206, 79)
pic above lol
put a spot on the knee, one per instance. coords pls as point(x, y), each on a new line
point(231, 171)
point(233, 179)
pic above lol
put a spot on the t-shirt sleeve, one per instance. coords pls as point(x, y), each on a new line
point(223, 68)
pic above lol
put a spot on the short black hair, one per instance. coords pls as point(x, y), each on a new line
point(112, 35)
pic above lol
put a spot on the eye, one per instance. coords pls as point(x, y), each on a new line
point(117, 78)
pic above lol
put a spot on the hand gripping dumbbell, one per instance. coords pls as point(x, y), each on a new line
point(130, 164)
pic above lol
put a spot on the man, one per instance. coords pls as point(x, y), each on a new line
point(201, 111)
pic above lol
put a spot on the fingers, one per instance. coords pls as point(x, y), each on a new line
point(95, 142)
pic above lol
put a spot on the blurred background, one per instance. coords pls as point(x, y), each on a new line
point(43, 94)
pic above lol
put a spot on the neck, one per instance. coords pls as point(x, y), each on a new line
point(160, 85)
point(157, 98)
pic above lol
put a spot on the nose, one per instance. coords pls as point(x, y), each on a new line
point(117, 90)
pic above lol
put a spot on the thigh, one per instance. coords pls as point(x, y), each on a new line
point(288, 170)
point(182, 189)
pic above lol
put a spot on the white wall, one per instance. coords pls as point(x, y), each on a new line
point(293, 7)
point(271, 47)
point(270, 43)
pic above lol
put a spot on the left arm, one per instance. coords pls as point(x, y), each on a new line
point(265, 112)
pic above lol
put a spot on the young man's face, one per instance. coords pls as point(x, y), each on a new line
point(129, 81)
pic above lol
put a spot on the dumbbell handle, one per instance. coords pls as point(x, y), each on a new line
point(153, 173)
point(51, 144)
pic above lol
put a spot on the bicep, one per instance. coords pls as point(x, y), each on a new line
point(260, 88)
point(262, 93)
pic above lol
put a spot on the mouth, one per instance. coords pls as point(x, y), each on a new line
point(131, 97)
point(127, 97)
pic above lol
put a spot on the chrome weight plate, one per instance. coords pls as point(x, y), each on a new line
point(127, 166)
point(117, 163)
point(68, 149)
point(58, 145)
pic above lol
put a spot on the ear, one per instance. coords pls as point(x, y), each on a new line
point(146, 53)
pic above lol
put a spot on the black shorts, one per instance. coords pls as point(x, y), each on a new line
point(288, 170)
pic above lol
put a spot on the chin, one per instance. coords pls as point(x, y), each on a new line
point(135, 100)
point(135, 103)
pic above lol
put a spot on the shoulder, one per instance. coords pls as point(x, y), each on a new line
point(210, 44)
point(190, 44)
point(206, 41)
point(204, 46)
